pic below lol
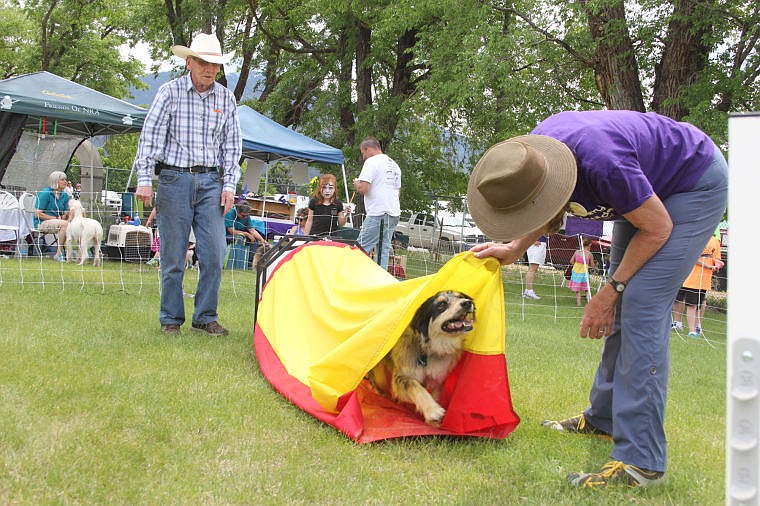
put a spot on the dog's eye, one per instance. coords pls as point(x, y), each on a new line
point(442, 304)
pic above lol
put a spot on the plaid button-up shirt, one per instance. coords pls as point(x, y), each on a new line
point(186, 128)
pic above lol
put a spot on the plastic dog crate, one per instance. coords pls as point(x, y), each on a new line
point(129, 243)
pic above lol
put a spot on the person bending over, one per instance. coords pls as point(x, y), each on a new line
point(654, 176)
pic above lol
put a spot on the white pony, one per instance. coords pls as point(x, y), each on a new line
point(85, 232)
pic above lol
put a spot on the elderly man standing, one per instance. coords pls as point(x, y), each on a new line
point(380, 184)
point(192, 139)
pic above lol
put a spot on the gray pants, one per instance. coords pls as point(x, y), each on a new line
point(630, 388)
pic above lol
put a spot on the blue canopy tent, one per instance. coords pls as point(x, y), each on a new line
point(268, 141)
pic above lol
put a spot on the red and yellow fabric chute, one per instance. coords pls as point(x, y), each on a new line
point(328, 314)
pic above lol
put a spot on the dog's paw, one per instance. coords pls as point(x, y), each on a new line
point(434, 416)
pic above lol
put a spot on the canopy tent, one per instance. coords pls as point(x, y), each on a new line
point(267, 140)
point(57, 115)
point(54, 105)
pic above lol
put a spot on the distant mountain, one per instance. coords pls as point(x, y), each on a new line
point(145, 97)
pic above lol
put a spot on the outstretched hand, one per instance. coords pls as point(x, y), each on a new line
point(506, 253)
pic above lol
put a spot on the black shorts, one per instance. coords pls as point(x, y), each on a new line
point(691, 296)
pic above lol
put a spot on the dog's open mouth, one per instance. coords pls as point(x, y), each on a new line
point(463, 324)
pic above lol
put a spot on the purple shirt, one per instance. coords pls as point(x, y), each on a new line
point(625, 157)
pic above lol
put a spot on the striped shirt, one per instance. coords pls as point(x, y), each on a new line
point(186, 128)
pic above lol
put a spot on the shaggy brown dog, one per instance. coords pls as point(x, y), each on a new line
point(426, 353)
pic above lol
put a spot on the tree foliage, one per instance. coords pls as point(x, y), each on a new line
point(75, 39)
point(436, 81)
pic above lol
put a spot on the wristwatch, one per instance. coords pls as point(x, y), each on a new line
point(619, 286)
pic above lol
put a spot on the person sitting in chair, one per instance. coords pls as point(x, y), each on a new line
point(301, 216)
point(238, 221)
point(52, 211)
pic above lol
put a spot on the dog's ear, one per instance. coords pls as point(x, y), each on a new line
point(421, 319)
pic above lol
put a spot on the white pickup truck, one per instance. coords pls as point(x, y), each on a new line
point(449, 232)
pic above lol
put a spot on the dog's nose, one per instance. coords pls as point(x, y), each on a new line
point(466, 304)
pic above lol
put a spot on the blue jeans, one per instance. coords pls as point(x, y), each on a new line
point(187, 200)
point(369, 235)
point(629, 393)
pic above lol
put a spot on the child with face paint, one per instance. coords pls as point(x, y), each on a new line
point(326, 212)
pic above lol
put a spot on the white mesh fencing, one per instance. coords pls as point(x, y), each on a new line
point(125, 266)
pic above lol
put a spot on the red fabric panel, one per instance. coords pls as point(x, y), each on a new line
point(299, 394)
point(477, 394)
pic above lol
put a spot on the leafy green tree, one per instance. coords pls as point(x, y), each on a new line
point(436, 81)
point(687, 59)
point(75, 39)
point(351, 71)
point(118, 154)
point(119, 150)
point(16, 30)
point(163, 24)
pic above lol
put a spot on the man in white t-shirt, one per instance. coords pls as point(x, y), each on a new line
point(380, 184)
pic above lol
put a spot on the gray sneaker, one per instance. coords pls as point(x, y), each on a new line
point(212, 328)
point(615, 471)
point(576, 425)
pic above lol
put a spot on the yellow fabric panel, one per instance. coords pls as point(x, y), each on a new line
point(330, 313)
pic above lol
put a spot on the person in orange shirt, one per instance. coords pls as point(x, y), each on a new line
point(694, 290)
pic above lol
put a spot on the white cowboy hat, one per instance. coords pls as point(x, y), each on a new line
point(206, 47)
point(520, 184)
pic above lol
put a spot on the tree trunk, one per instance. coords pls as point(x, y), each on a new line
point(270, 72)
point(345, 68)
point(247, 49)
point(615, 67)
point(46, 30)
point(176, 24)
point(216, 11)
point(402, 88)
point(683, 59)
point(363, 68)
point(301, 98)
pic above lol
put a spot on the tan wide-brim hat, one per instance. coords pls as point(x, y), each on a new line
point(206, 47)
point(519, 185)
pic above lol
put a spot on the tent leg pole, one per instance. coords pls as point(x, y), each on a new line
point(348, 199)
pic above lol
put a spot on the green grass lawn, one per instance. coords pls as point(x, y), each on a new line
point(98, 407)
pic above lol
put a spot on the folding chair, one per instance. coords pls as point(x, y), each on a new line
point(238, 252)
point(27, 203)
point(10, 217)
